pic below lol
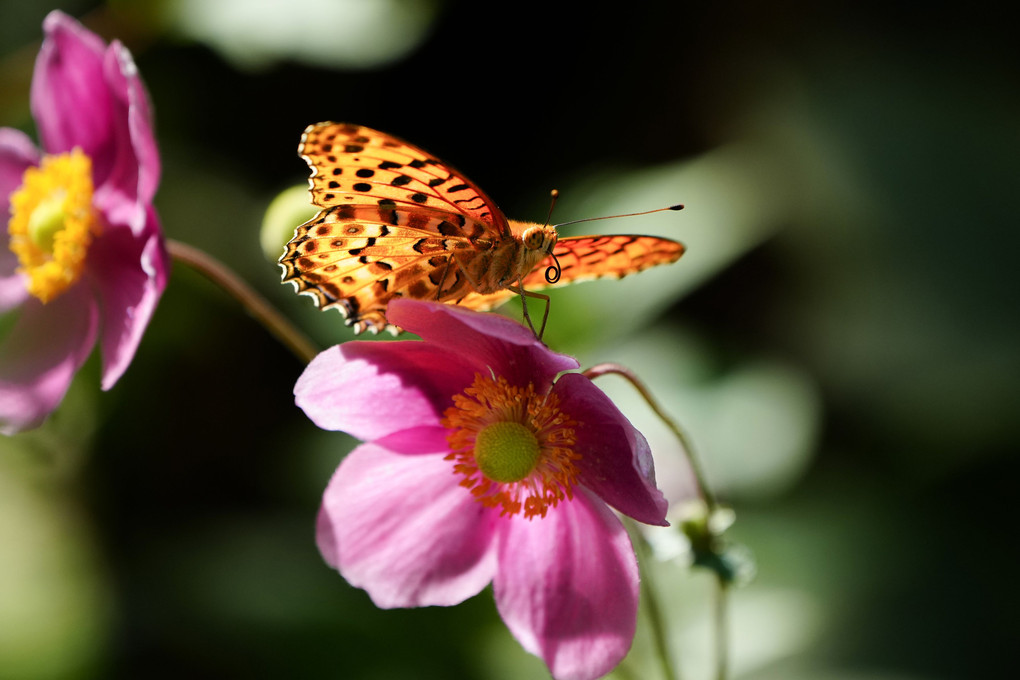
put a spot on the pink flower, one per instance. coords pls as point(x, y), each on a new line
point(483, 463)
point(82, 257)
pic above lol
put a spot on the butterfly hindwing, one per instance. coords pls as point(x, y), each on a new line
point(358, 258)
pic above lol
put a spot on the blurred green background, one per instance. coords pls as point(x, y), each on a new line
point(841, 338)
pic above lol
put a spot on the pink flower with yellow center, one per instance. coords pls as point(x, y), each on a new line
point(485, 461)
point(82, 258)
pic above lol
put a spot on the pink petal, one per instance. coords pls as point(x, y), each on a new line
point(567, 587)
point(143, 138)
point(41, 355)
point(70, 98)
point(423, 439)
point(617, 463)
point(491, 340)
point(130, 168)
point(13, 292)
point(404, 530)
point(87, 95)
point(374, 389)
point(17, 153)
point(130, 274)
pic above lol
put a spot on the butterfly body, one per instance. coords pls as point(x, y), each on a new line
point(505, 262)
point(397, 222)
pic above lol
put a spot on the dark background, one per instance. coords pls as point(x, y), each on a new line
point(841, 338)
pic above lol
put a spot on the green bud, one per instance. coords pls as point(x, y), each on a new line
point(290, 209)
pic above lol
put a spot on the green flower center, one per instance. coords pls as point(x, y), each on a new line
point(506, 451)
point(46, 220)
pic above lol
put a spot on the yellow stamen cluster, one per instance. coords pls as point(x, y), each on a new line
point(513, 447)
point(53, 223)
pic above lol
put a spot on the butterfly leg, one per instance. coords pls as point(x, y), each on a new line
point(439, 288)
point(520, 290)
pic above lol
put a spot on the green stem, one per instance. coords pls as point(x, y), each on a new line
point(217, 272)
point(722, 652)
point(654, 611)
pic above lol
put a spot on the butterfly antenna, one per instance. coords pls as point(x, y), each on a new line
point(678, 206)
point(552, 204)
point(553, 272)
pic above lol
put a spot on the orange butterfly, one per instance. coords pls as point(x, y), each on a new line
point(396, 221)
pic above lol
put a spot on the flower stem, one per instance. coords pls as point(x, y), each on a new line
point(217, 272)
point(655, 616)
point(721, 616)
point(722, 654)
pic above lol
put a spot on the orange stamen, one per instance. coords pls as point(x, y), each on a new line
point(490, 401)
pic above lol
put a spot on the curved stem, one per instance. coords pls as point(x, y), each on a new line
point(217, 272)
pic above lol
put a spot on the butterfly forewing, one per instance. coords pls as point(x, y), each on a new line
point(591, 257)
point(395, 221)
point(582, 258)
point(355, 165)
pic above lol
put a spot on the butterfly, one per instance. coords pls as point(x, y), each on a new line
point(395, 221)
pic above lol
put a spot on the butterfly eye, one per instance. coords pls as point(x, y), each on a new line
point(533, 238)
point(539, 238)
